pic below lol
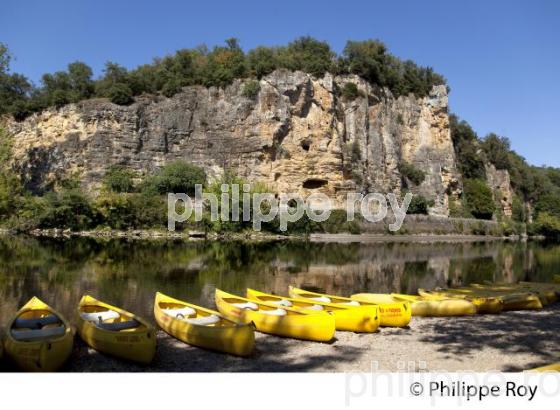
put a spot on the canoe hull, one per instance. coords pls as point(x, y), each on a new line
point(132, 345)
point(555, 367)
point(238, 340)
point(420, 307)
point(483, 304)
point(40, 356)
point(393, 314)
point(358, 319)
point(319, 326)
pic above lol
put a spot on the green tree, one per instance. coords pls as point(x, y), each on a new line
point(80, 79)
point(115, 84)
point(225, 64)
point(14, 88)
point(120, 94)
point(119, 179)
point(177, 177)
point(307, 54)
point(497, 150)
point(68, 209)
point(479, 198)
point(548, 225)
point(466, 144)
point(262, 61)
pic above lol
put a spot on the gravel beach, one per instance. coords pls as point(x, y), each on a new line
point(510, 341)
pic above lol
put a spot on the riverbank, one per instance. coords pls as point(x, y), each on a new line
point(510, 341)
point(264, 237)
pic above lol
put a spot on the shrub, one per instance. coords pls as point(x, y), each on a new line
point(479, 228)
point(120, 94)
point(68, 209)
point(251, 89)
point(119, 179)
point(547, 225)
point(518, 209)
point(479, 199)
point(350, 92)
point(338, 223)
point(10, 193)
point(115, 211)
point(411, 173)
point(419, 205)
point(178, 177)
point(510, 227)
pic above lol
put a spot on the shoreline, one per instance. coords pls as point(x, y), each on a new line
point(146, 234)
point(510, 342)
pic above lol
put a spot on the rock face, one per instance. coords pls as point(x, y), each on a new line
point(499, 182)
point(299, 134)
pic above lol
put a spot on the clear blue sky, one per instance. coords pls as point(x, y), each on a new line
point(501, 58)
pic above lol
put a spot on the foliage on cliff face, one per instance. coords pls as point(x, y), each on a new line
point(217, 67)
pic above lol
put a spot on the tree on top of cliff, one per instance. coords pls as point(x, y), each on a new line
point(217, 67)
point(15, 89)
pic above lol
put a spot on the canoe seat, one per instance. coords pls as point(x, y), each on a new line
point(352, 303)
point(203, 320)
point(315, 307)
point(99, 317)
point(36, 323)
point(38, 334)
point(282, 302)
point(117, 326)
point(246, 305)
point(275, 312)
point(323, 299)
point(180, 312)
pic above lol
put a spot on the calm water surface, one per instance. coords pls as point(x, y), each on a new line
point(128, 273)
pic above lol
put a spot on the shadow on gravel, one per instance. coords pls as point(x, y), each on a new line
point(534, 332)
point(272, 354)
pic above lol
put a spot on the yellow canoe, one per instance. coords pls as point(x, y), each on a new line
point(555, 367)
point(546, 296)
point(269, 318)
point(38, 338)
point(115, 331)
point(420, 306)
point(393, 314)
point(483, 304)
point(202, 327)
point(513, 298)
point(548, 292)
point(350, 318)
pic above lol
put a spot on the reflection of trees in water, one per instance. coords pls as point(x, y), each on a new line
point(128, 272)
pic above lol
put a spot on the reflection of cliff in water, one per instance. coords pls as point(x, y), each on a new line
point(129, 272)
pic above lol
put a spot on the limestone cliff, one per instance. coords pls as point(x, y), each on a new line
point(297, 135)
point(499, 181)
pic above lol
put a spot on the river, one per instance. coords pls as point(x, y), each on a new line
point(127, 273)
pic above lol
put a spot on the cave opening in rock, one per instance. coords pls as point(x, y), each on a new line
point(314, 183)
point(306, 144)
